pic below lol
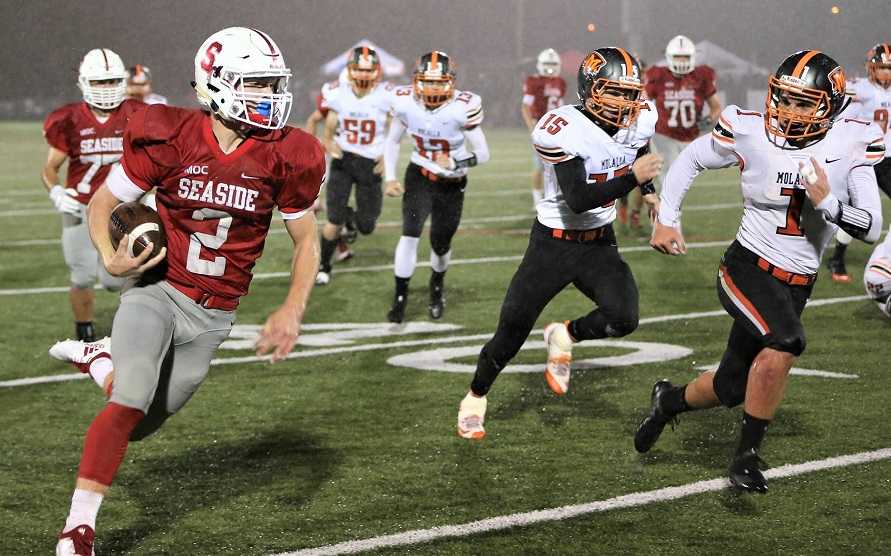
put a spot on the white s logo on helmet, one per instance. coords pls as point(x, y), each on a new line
point(236, 55)
point(102, 78)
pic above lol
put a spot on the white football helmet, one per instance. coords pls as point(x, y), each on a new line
point(101, 64)
point(680, 46)
point(228, 58)
point(548, 62)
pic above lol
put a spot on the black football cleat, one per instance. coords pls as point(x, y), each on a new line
point(837, 268)
point(396, 314)
point(649, 430)
point(745, 472)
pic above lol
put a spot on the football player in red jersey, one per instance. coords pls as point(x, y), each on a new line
point(220, 174)
point(88, 134)
point(681, 91)
point(542, 92)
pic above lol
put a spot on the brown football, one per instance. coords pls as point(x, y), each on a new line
point(141, 223)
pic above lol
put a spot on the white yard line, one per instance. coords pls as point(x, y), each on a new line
point(635, 499)
point(381, 267)
point(405, 343)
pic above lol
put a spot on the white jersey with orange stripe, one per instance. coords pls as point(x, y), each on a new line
point(361, 120)
point(567, 132)
point(779, 222)
point(439, 130)
point(871, 102)
point(877, 275)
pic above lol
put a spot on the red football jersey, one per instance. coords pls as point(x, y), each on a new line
point(542, 93)
point(217, 207)
point(680, 99)
point(92, 147)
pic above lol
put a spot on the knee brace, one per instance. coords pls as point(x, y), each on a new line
point(365, 225)
point(789, 343)
point(730, 387)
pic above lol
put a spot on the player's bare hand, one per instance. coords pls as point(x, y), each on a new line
point(334, 150)
point(652, 201)
point(667, 239)
point(647, 167)
point(443, 160)
point(121, 264)
point(816, 183)
point(393, 189)
point(279, 334)
point(379, 166)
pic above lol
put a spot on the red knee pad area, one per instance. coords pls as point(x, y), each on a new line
point(106, 442)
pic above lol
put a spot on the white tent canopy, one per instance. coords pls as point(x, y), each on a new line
point(390, 64)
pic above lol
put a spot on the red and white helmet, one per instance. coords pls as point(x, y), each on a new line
point(228, 58)
point(101, 64)
point(680, 54)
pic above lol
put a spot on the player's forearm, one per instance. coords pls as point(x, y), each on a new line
point(527, 116)
point(478, 145)
point(50, 177)
point(304, 265)
point(699, 155)
point(99, 213)
point(862, 218)
point(578, 193)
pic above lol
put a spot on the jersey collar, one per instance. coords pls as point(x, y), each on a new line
point(214, 146)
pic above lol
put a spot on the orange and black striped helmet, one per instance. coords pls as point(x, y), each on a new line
point(609, 86)
point(804, 96)
point(879, 57)
point(364, 67)
point(434, 79)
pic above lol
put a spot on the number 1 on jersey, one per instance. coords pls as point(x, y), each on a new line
point(793, 213)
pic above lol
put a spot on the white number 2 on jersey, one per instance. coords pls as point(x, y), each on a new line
point(686, 109)
point(194, 262)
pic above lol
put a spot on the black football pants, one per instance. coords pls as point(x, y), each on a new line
point(549, 265)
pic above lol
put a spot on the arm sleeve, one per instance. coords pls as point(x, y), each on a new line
point(479, 146)
point(474, 113)
point(391, 148)
point(303, 180)
point(580, 195)
point(703, 153)
point(861, 219)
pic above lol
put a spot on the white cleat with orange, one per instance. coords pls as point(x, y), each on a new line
point(557, 370)
point(471, 415)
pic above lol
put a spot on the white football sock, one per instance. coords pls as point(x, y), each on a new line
point(406, 256)
point(84, 508)
point(440, 263)
point(100, 369)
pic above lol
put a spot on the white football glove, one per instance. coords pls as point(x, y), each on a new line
point(64, 200)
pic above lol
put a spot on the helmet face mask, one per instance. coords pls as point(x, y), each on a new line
point(364, 68)
point(434, 79)
point(878, 65)
point(102, 79)
point(803, 97)
point(548, 62)
point(680, 54)
point(610, 87)
point(241, 77)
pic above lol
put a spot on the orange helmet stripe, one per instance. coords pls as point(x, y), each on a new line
point(629, 65)
point(365, 52)
point(887, 49)
point(799, 68)
point(434, 59)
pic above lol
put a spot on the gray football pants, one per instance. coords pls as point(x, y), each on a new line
point(82, 258)
point(161, 346)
